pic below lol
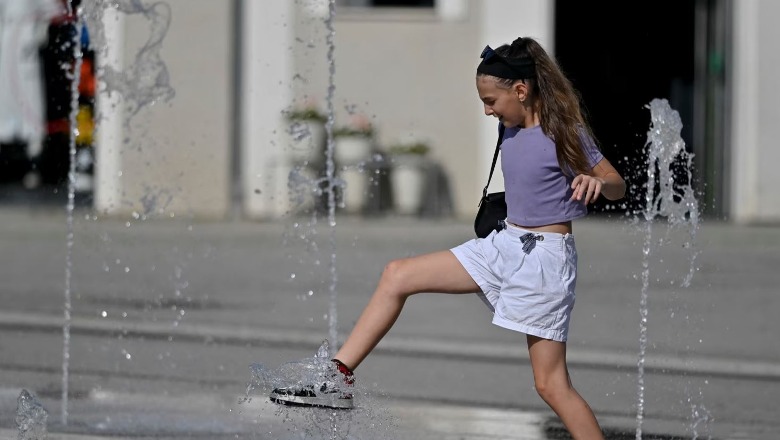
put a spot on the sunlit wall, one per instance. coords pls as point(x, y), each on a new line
point(409, 71)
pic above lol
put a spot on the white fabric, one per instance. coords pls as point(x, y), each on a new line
point(531, 292)
point(23, 29)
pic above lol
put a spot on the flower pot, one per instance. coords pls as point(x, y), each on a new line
point(353, 194)
point(352, 149)
point(408, 183)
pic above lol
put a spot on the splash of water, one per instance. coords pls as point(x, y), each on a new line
point(700, 416)
point(142, 84)
point(31, 417)
point(330, 172)
point(74, 71)
point(300, 374)
point(321, 423)
point(291, 374)
point(319, 368)
point(674, 200)
point(145, 81)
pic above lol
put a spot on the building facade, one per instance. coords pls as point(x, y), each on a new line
point(222, 145)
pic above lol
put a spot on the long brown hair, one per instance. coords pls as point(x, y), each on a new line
point(561, 114)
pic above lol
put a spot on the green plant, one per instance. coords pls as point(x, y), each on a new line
point(359, 125)
point(306, 114)
point(352, 131)
point(418, 148)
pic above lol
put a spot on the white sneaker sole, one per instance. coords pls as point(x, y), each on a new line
point(327, 402)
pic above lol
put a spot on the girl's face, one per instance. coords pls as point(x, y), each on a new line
point(504, 104)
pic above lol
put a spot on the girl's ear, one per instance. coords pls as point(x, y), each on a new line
point(521, 90)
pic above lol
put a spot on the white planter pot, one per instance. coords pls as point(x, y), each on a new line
point(408, 181)
point(353, 195)
point(306, 141)
point(350, 150)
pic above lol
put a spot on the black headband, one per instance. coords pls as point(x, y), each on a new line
point(494, 64)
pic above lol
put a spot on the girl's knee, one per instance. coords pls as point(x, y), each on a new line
point(394, 276)
point(551, 389)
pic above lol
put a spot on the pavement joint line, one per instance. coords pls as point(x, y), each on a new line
point(419, 346)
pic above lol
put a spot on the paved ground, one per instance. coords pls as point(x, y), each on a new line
point(169, 314)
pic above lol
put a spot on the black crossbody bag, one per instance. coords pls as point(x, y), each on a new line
point(492, 207)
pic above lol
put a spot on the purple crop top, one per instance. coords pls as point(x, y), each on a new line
point(537, 190)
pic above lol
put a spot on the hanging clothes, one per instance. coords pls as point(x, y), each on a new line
point(23, 30)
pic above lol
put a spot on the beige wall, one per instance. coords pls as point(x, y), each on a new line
point(768, 112)
point(173, 158)
point(411, 72)
point(754, 152)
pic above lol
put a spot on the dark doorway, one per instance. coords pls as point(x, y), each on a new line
point(622, 55)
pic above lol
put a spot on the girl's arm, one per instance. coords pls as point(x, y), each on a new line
point(604, 180)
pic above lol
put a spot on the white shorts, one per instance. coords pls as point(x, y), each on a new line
point(528, 291)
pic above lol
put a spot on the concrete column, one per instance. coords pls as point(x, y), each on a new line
point(744, 122)
point(502, 22)
point(109, 117)
point(452, 10)
point(754, 153)
point(267, 71)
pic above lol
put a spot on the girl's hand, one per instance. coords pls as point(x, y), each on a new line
point(586, 188)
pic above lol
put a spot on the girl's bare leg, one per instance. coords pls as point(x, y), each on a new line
point(551, 377)
point(436, 272)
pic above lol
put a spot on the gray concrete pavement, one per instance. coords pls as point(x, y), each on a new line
point(168, 314)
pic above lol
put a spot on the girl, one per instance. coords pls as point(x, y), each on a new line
point(526, 272)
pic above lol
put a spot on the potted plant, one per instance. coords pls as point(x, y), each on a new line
point(354, 141)
point(407, 177)
point(353, 145)
point(307, 133)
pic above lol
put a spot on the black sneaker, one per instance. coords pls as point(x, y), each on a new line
point(332, 392)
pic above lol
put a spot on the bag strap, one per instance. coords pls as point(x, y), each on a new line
point(495, 158)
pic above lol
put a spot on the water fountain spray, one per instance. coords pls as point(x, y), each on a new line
point(330, 171)
point(74, 71)
point(674, 200)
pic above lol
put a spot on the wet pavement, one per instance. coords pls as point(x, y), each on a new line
point(169, 313)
